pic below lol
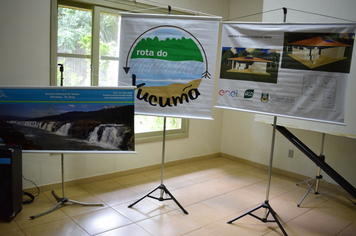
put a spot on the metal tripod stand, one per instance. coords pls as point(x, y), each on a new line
point(62, 201)
point(317, 178)
point(161, 187)
point(266, 205)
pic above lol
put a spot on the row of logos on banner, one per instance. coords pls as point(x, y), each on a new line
point(249, 94)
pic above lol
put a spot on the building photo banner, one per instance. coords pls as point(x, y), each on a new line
point(286, 69)
point(68, 120)
point(172, 59)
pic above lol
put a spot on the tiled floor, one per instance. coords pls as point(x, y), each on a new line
point(213, 191)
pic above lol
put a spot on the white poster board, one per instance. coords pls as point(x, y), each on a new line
point(286, 69)
point(173, 58)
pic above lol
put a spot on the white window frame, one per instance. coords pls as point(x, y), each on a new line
point(98, 6)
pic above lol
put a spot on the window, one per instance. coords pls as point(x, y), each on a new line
point(87, 44)
point(88, 50)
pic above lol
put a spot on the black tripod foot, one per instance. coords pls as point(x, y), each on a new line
point(161, 198)
point(264, 220)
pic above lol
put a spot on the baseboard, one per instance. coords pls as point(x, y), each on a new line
point(298, 177)
point(91, 179)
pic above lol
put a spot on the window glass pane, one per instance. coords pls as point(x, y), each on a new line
point(108, 72)
point(74, 45)
point(76, 71)
point(153, 123)
point(74, 30)
point(109, 49)
point(109, 34)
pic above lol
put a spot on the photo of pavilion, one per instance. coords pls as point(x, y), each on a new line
point(324, 52)
point(250, 64)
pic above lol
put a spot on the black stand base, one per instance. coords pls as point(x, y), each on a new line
point(318, 177)
point(164, 190)
point(264, 220)
point(316, 191)
point(61, 203)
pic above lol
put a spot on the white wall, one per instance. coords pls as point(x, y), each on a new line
point(244, 10)
point(24, 38)
point(243, 137)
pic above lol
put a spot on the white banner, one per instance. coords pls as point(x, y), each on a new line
point(290, 70)
point(173, 59)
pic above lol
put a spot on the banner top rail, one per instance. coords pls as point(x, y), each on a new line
point(170, 16)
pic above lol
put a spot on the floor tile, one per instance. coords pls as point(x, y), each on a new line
point(297, 228)
point(101, 221)
point(231, 203)
point(117, 196)
point(168, 224)
point(203, 214)
point(200, 232)
point(72, 209)
point(132, 229)
point(330, 220)
point(69, 192)
point(14, 233)
point(58, 228)
point(247, 226)
point(176, 181)
point(7, 227)
point(40, 199)
point(142, 210)
point(143, 188)
point(101, 185)
point(24, 221)
point(349, 230)
point(183, 168)
point(156, 174)
point(132, 179)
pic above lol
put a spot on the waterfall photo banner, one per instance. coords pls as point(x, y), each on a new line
point(291, 70)
point(173, 60)
point(68, 119)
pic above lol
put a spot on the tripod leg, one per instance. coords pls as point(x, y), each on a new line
point(143, 197)
point(85, 204)
point(57, 206)
point(247, 213)
point(305, 181)
point(305, 195)
point(273, 213)
point(173, 198)
point(56, 196)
